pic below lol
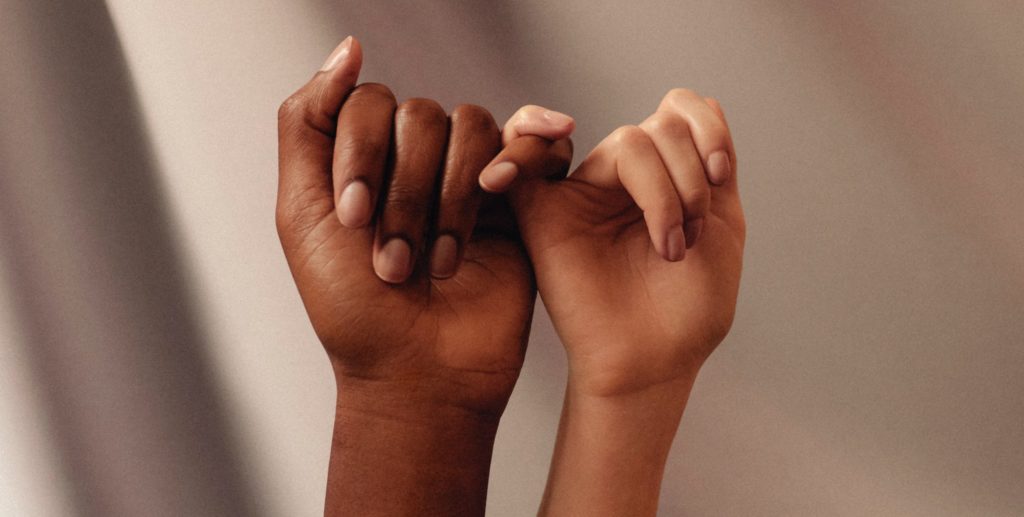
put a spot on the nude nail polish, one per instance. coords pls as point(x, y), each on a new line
point(719, 169)
point(675, 244)
point(498, 177)
point(338, 55)
point(444, 256)
point(392, 263)
point(354, 205)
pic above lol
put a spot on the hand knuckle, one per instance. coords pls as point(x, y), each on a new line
point(291, 109)
point(421, 108)
point(371, 96)
point(473, 116)
point(680, 93)
point(376, 89)
point(670, 125)
point(525, 113)
point(629, 136)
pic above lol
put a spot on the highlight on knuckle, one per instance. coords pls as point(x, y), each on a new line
point(526, 114)
point(670, 125)
point(629, 136)
point(367, 91)
point(473, 117)
point(422, 109)
point(679, 94)
point(292, 108)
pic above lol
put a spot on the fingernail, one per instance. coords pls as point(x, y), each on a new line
point(339, 55)
point(719, 169)
point(693, 228)
point(393, 261)
point(354, 205)
point(498, 177)
point(442, 259)
point(675, 244)
point(556, 118)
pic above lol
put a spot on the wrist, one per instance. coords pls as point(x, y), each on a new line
point(655, 408)
point(617, 375)
point(411, 384)
point(619, 440)
point(399, 452)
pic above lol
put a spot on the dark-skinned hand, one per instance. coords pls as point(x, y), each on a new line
point(414, 279)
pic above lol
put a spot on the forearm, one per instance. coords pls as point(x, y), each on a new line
point(611, 450)
point(394, 454)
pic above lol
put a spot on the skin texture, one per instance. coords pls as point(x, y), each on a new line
point(637, 312)
point(419, 287)
point(425, 363)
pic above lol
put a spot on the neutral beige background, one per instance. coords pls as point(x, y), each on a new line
point(155, 358)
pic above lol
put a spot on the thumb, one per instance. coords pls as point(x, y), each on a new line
point(307, 122)
point(316, 104)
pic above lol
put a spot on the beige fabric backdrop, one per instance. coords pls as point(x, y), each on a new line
point(155, 358)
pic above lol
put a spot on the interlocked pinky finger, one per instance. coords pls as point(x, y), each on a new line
point(537, 121)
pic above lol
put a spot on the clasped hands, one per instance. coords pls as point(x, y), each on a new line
point(418, 241)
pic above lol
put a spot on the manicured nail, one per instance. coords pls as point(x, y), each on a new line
point(675, 244)
point(393, 261)
point(339, 55)
point(693, 228)
point(442, 259)
point(556, 118)
point(719, 169)
point(498, 177)
point(354, 205)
